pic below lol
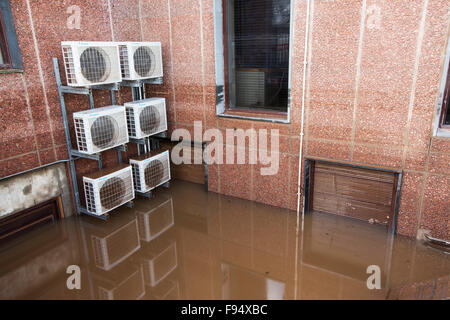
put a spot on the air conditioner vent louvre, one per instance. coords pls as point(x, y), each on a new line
point(136, 180)
point(131, 124)
point(81, 134)
point(90, 197)
point(124, 61)
point(98, 249)
point(69, 64)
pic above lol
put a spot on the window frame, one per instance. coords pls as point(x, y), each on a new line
point(221, 71)
point(14, 57)
point(440, 128)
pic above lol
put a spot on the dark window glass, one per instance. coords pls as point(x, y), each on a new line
point(4, 53)
point(258, 53)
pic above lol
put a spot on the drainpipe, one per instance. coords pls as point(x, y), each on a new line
point(300, 152)
point(300, 155)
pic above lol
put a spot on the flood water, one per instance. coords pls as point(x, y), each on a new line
point(186, 243)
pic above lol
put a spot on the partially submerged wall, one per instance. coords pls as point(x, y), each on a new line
point(27, 190)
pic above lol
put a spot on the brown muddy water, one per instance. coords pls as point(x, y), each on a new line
point(186, 243)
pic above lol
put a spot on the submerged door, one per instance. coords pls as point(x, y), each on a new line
point(356, 192)
point(23, 221)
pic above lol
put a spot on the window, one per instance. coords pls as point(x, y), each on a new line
point(444, 120)
point(256, 56)
point(10, 58)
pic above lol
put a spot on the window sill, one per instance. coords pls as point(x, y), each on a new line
point(12, 70)
point(269, 116)
point(440, 132)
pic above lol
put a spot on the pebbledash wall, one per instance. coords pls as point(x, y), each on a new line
point(372, 91)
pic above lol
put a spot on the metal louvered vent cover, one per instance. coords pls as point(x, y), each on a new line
point(154, 172)
point(144, 61)
point(112, 193)
point(104, 131)
point(95, 64)
point(149, 119)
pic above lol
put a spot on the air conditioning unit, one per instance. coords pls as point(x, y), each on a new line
point(150, 170)
point(100, 129)
point(140, 60)
point(108, 189)
point(91, 63)
point(154, 217)
point(146, 117)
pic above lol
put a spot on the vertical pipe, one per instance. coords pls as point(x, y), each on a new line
point(113, 98)
point(91, 99)
point(300, 155)
point(300, 152)
point(67, 133)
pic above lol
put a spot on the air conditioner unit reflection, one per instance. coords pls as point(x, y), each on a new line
point(241, 284)
point(91, 63)
point(100, 129)
point(160, 264)
point(154, 218)
point(124, 284)
point(169, 289)
point(113, 242)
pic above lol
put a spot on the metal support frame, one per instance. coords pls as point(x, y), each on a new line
point(140, 83)
point(75, 154)
point(146, 144)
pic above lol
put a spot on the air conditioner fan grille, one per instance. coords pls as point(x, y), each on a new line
point(112, 193)
point(144, 61)
point(154, 173)
point(149, 119)
point(104, 131)
point(95, 64)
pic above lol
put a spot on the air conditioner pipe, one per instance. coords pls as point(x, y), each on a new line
point(441, 242)
point(34, 169)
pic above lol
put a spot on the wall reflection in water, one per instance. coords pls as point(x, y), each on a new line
point(186, 243)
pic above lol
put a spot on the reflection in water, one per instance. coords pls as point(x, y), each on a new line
point(239, 283)
point(186, 243)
